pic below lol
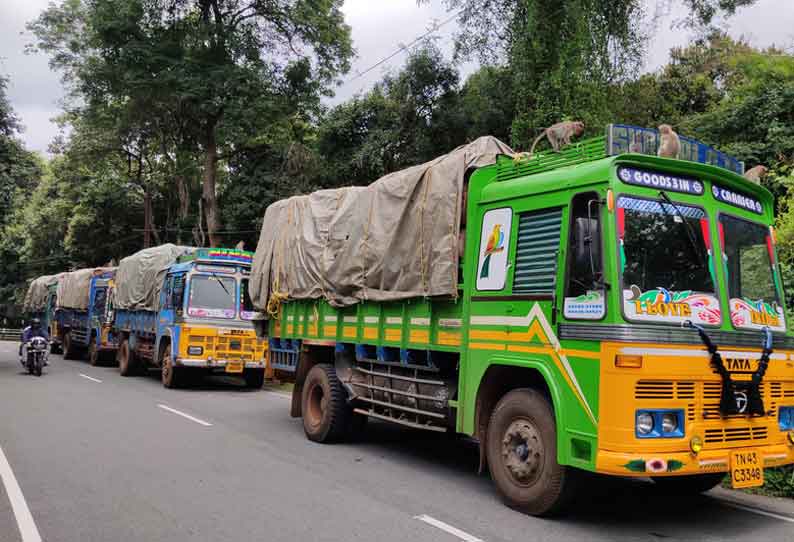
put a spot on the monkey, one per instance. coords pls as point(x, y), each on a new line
point(670, 145)
point(559, 134)
point(756, 174)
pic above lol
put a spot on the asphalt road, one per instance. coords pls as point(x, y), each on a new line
point(98, 457)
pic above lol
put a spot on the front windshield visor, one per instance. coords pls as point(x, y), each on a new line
point(212, 296)
point(665, 262)
point(748, 254)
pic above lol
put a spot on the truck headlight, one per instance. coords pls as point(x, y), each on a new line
point(669, 422)
point(644, 423)
point(195, 350)
point(786, 418)
point(660, 423)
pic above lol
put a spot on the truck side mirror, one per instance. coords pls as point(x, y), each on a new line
point(587, 245)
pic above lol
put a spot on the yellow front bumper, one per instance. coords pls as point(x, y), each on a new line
point(683, 463)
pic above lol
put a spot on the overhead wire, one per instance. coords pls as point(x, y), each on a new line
point(435, 28)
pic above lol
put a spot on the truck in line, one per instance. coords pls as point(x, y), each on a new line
point(81, 323)
point(40, 302)
point(186, 312)
point(617, 313)
point(73, 307)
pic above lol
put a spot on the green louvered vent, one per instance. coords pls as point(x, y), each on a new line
point(536, 252)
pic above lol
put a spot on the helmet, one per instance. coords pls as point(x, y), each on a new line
point(35, 322)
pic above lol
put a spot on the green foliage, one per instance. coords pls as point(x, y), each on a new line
point(779, 482)
point(191, 80)
point(408, 118)
point(564, 56)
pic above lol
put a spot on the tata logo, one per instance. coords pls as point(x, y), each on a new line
point(741, 401)
point(736, 364)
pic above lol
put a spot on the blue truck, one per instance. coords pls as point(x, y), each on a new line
point(186, 312)
point(81, 321)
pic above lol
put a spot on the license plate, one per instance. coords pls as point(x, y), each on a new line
point(747, 469)
point(234, 366)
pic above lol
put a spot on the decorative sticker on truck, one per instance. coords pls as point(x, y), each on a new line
point(663, 181)
point(210, 313)
point(736, 199)
point(590, 306)
point(749, 314)
point(661, 305)
point(492, 266)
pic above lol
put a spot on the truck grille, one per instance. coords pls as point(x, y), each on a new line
point(703, 401)
point(230, 348)
point(735, 434)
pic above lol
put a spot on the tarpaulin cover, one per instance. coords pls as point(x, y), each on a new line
point(74, 286)
point(139, 277)
point(36, 298)
point(394, 239)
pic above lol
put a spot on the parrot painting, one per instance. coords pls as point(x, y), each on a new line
point(495, 244)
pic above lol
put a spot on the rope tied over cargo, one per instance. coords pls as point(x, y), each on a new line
point(277, 297)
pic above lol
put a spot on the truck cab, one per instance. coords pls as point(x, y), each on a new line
point(203, 324)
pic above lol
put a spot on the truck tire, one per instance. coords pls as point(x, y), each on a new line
point(171, 375)
point(521, 448)
point(128, 364)
point(688, 485)
point(69, 348)
point(93, 352)
point(326, 414)
point(254, 378)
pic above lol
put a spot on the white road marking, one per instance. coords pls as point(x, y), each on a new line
point(90, 378)
point(188, 416)
point(454, 531)
point(27, 527)
point(757, 511)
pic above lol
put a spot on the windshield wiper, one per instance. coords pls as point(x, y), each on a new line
point(690, 233)
point(216, 277)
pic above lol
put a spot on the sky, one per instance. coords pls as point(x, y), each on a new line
point(380, 28)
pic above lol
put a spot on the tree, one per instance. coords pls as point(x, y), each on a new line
point(694, 81)
point(200, 66)
point(409, 117)
point(20, 172)
point(487, 103)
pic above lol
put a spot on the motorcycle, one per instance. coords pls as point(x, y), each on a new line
point(35, 355)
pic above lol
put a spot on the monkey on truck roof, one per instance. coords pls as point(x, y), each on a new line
point(670, 145)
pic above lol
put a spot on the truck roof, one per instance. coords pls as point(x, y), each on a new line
point(586, 163)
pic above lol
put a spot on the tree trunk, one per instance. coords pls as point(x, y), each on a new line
point(147, 219)
point(183, 193)
point(149, 227)
point(211, 211)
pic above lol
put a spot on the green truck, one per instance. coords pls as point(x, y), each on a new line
point(613, 312)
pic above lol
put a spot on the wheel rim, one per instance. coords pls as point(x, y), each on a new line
point(316, 405)
point(523, 452)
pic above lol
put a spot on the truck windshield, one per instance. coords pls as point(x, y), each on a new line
point(247, 310)
point(665, 262)
point(749, 255)
point(100, 298)
point(212, 296)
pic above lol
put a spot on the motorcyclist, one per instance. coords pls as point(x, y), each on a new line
point(33, 330)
